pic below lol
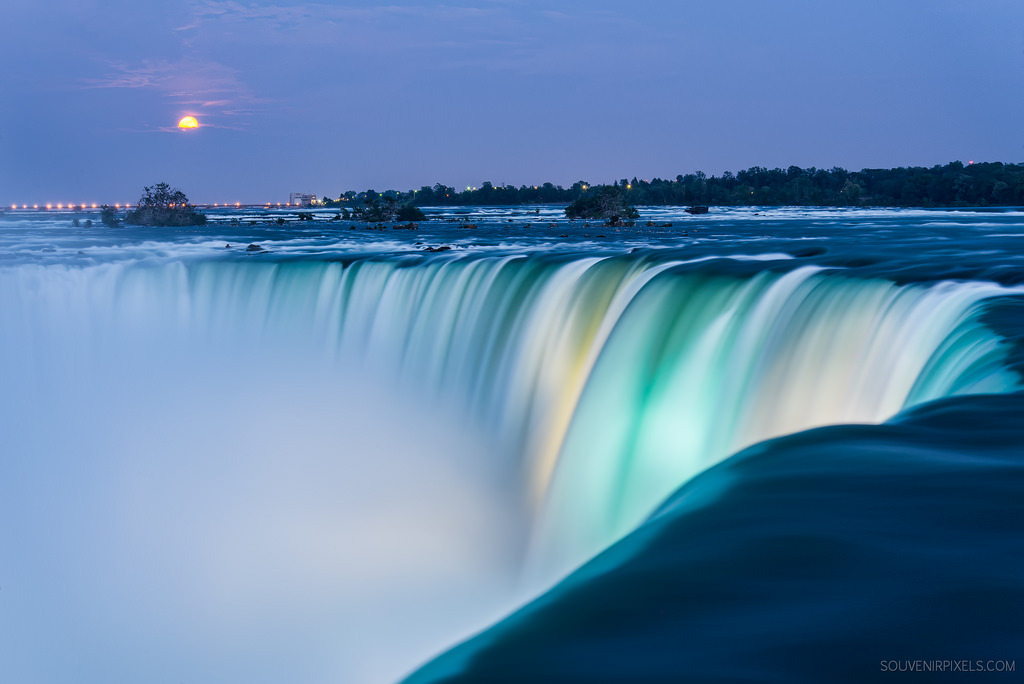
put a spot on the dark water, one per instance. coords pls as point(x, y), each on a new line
point(335, 457)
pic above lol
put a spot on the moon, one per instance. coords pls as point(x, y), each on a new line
point(188, 122)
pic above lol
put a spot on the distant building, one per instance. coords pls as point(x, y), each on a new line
point(301, 199)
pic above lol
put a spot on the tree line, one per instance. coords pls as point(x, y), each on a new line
point(952, 185)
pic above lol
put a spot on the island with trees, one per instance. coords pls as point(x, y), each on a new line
point(162, 205)
point(609, 203)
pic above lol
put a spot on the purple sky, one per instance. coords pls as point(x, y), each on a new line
point(329, 97)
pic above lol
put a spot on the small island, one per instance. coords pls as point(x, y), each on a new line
point(608, 203)
point(386, 208)
point(162, 205)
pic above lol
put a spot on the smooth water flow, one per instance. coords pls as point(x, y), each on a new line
point(611, 381)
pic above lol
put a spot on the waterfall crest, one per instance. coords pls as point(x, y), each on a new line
point(610, 380)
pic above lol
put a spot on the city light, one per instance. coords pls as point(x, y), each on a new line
point(85, 206)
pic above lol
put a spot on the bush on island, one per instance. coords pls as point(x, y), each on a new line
point(162, 205)
point(408, 212)
point(386, 209)
point(608, 203)
point(109, 217)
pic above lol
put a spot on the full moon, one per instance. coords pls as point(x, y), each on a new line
point(188, 122)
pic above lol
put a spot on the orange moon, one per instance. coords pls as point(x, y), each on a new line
point(188, 122)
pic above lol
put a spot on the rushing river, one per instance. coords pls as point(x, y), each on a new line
point(332, 457)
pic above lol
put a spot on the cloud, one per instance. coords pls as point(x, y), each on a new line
point(394, 26)
point(210, 88)
point(530, 38)
point(299, 13)
point(180, 76)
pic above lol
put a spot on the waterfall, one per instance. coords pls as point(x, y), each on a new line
point(610, 381)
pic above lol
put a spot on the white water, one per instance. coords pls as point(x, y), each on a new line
point(233, 470)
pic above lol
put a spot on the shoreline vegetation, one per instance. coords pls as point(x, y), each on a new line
point(953, 185)
point(990, 184)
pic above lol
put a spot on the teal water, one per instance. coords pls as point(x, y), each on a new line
point(846, 553)
point(285, 437)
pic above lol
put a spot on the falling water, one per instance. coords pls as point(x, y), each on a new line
point(606, 381)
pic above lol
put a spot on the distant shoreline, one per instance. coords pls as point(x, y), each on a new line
point(952, 186)
point(955, 185)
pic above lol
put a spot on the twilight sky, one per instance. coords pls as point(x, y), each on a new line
point(322, 98)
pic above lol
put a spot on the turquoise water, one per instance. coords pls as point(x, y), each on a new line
point(341, 454)
point(846, 553)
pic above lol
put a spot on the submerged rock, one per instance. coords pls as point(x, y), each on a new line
point(700, 209)
point(254, 248)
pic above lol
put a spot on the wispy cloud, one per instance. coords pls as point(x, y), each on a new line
point(528, 37)
point(187, 76)
point(400, 27)
point(204, 87)
point(299, 13)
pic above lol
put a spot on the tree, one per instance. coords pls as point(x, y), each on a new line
point(108, 216)
point(162, 205)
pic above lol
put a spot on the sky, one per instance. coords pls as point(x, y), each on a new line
point(335, 96)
